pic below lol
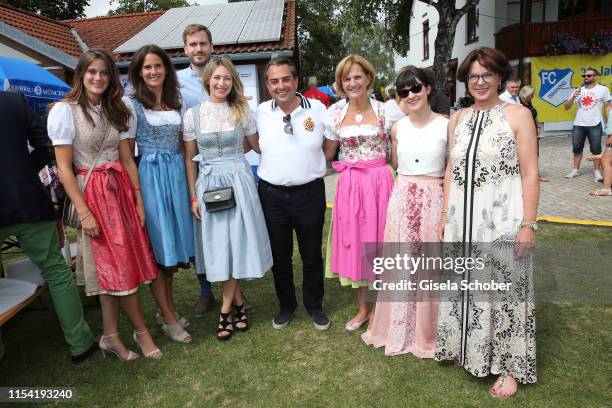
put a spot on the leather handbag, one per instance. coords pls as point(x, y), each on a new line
point(219, 200)
point(70, 217)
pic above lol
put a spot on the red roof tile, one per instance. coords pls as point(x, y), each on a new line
point(109, 32)
point(54, 33)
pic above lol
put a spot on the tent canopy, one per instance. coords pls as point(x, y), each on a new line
point(31, 80)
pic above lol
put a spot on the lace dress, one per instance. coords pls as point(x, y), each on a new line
point(230, 243)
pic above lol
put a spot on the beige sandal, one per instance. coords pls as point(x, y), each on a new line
point(602, 192)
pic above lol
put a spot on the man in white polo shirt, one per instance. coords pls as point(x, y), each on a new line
point(291, 189)
point(511, 94)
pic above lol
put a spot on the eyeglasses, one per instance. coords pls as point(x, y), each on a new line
point(487, 77)
point(588, 75)
point(287, 122)
point(415, 89)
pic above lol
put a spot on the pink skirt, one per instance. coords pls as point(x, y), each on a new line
point(360, 212)
point(413, 216)
point(122, 253)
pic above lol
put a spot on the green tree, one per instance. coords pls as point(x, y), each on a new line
point(326, 36)
point(145, 6)
point(396, 15)
point(53, 9)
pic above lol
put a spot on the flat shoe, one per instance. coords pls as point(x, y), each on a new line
point(352, 325)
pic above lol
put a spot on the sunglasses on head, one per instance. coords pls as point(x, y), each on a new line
point(415, 89)
point(287, 122)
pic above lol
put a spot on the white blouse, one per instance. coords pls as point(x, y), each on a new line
point(155, 118)
point(422, 152)
point(60, 124)
point(214, 117)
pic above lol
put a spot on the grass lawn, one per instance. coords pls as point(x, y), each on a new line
point(302, 367)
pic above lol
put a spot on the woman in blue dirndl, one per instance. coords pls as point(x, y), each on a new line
point(156, 126)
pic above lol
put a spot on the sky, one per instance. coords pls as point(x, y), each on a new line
point(98, 8)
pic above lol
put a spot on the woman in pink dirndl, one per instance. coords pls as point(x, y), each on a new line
point(114, 256)
point(406, 320)
point(365, 182)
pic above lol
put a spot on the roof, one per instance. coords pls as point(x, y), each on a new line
point(109, 32)
point(53, 33)
point(288, 40)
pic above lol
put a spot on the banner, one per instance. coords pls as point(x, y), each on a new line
point(554, 78)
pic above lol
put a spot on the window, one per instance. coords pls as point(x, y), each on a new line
point(470, 26)
point(425, 39)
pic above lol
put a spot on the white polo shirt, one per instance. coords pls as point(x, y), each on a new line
point(291, 159)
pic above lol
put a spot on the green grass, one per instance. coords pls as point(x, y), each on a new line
point(302, 367)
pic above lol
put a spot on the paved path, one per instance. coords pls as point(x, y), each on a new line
point(561, 197)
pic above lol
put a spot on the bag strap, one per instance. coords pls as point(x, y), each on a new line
point(86, 180)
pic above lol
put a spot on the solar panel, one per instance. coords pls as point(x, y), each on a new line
point(231, 23)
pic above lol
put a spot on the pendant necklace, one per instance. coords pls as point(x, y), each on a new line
point(358, 116)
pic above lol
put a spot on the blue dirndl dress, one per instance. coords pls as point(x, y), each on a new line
point(164, 192)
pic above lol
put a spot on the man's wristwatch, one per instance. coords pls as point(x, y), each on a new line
point(532, 225)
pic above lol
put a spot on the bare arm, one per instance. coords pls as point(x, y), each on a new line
point(252, 141)
point(191, 168)
point(394, 159)
point(329, 148)
point(568, 104)
point(126, 157)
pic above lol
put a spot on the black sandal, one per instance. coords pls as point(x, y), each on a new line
point(240, 316)
point(224, 323)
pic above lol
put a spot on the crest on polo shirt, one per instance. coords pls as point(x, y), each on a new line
point(309, 124)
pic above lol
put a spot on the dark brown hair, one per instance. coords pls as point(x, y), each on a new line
point(490, 58)
point(279, 61)
point(170, 93)
point(194, 28)
point(113, 108)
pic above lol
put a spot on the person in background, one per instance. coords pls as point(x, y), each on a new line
point(526, 95)
point(114, 255)
point(511, 94)
point(27, 213)
point(491, 193)
point(419, 154)
point(606, 162)
point(198, 45)
point(358, 124)
point(589, 99)
point(233, 242)
point(291, 189)
point(314, 93)
point(155, 125)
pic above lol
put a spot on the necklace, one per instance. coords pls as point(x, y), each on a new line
point(358, 115)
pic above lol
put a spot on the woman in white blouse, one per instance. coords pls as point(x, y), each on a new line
point(230, 232)
point(405, 322)
point(114, 255)
point(155, 125)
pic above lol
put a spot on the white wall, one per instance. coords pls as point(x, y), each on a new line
point(6, 51)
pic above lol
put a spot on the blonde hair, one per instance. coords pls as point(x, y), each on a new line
point(526, 91)
point(235, 99)
point(344, 67)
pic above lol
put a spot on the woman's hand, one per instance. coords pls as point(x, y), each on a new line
point(195, 209)
point(90, 225)
point(441, 225)
point(141, 212)
point(525, 241)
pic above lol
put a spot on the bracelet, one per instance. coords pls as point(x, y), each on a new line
point(194, 199)
point(443, 211)
point(87, 215)
point(136, 188)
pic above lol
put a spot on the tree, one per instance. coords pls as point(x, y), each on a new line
point(53, 9)
point(145, 6)
point(326, 36)
point(396, 16)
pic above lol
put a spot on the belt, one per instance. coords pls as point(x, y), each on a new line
point(292, 188)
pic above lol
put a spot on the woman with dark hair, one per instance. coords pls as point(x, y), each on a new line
point(418, 153)
point(155, 125)
point(231, 236)
point(114, 255)
point(491, 194)
point(526, 96)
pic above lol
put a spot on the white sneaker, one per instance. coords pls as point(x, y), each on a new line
point(598, 176)
point(572, 174)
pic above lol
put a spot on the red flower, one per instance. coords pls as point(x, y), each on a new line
point(352, 142)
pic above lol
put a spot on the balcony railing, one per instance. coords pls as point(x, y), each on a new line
point(537, 35)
